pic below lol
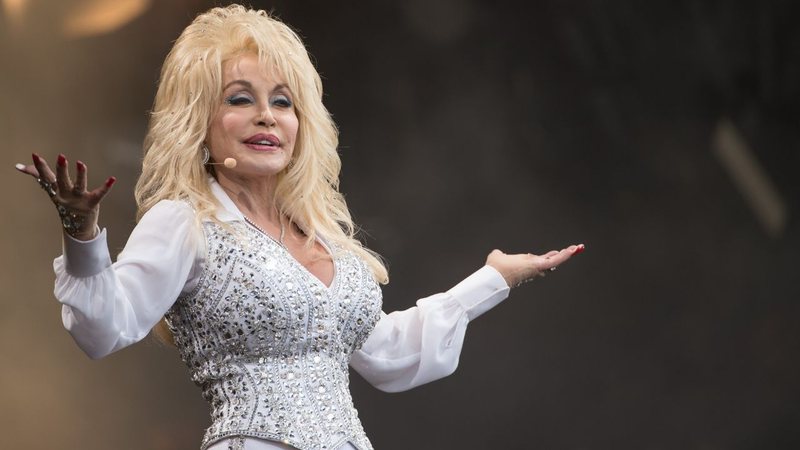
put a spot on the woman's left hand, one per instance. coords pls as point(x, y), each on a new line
point(521, 268)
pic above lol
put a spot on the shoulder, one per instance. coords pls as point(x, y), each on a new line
point(169, 219)
point(168, 229)
point(169, 210)
point(175, 206)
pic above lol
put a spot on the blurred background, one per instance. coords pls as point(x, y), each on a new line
point(663, 134)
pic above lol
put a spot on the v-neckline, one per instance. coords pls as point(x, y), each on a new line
point(297, 262)
point(232, 212)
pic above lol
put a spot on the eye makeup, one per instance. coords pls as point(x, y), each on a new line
point(282, 101)
point(238, 100)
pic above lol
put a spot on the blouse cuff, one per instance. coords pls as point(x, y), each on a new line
point(480, 291)
point(86, 258)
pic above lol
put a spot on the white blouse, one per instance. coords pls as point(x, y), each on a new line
point(108, 306)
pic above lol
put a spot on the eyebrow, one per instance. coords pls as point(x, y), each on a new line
point(244, 83)
point(249, 85)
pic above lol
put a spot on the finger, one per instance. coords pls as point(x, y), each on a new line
point(555, 261)
point(43, 169)
point(562, 256)
point(28, 170)
point(550, 253)
point(97, 194)
point(80, 182)
point(62, 174)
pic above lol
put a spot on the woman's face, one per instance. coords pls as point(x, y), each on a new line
point(256, 123)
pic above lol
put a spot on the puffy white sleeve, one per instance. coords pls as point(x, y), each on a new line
point(108, 306)
point(423, 343)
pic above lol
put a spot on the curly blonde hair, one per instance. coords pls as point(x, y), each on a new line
point(189, 93)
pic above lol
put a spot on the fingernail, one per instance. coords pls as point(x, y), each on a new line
point(36, 158)
point(110, 182)
point(20, 166)
point(62, 160)
point(579, 249)
point(81, 166)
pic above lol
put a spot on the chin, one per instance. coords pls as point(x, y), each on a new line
point(266, 170)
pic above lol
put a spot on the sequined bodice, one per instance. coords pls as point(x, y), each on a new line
point(270, 344)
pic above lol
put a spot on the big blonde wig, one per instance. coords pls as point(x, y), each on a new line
point(189, 93)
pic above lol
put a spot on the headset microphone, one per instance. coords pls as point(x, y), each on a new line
point(230, 163)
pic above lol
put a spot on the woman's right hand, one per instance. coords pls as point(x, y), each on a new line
point(77, 207)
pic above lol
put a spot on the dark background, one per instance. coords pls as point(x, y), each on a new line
point(466, 125)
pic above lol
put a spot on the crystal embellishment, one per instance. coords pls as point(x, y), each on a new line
point(269, 346)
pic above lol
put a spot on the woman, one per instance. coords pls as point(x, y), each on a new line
point(246, 248)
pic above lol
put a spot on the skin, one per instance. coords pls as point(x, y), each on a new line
point(254, 102)
point(74, 196)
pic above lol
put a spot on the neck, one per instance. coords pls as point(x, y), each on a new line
point(253, 197)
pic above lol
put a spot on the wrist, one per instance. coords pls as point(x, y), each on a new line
point(79, 227)
point(84, 235)
point(507, 277)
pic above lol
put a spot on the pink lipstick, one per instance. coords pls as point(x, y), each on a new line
point(263, 142)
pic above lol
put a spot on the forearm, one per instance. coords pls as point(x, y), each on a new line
point(109, 306)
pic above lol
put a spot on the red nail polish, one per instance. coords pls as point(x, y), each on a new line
point(81, 166)
point(36, 158)
point(110, 182)
point(579, 249)
point(62, 160)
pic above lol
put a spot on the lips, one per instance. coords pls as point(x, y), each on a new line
point(263, 142)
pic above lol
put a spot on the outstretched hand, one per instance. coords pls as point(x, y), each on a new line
point(521, 268)
point(77, 207)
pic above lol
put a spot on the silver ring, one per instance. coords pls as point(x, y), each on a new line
point(553, 269)
point(47, 186)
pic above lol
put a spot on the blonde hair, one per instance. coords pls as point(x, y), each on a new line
point(189, 93)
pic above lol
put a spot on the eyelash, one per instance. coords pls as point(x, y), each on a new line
point(283, 102)
point(239, 100)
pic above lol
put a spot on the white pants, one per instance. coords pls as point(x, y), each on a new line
point(250, 443)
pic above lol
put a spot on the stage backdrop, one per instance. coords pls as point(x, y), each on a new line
point(662, 134)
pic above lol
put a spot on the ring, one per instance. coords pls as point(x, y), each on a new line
point(47, 186)
point(553, 269)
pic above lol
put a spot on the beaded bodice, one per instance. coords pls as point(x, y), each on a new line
point(269, 344)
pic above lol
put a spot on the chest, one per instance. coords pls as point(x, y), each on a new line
point(256, 299)
point(317, 260)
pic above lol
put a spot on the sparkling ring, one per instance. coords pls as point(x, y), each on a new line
point(47, 186)
point(553, 269)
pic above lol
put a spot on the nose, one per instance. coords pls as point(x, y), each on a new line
point(266, 118)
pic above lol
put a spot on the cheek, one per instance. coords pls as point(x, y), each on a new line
point(222, 126)
point(231, 123)
point(292, 125)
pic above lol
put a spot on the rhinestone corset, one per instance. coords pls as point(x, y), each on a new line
point(269, 344)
